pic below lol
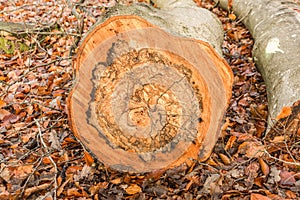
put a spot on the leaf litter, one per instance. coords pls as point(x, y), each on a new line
point(41, 158)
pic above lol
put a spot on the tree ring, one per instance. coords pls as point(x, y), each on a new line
point(144, 101)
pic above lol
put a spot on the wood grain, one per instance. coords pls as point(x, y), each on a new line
point(144, 99)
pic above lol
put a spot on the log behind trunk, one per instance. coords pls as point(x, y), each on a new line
point(275, 26)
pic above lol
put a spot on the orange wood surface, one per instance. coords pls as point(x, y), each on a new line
point(144, 99)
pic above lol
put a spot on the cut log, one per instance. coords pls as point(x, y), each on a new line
point(145, 99)
point(275, 26)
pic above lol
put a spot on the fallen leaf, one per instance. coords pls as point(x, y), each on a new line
point(133, 189)
point(287, 178)
point(251, 149)
point(227, 124)
point(230, 2)
point(116, 181)
point(285, 111)
point(259, 181)
point(4, 113)
point(264, 167)
point(31, 190)
point(73, 192)
point(46, 161)
point(208, 182)
point(86, 171)
point(230, 142)
point(275, 173)
point(225, 159)
point(255, 196)
point(2, 78)
point(55, 144)
point(95, 188)
point(22, 171)
point(232, 16)
point(2, 103)
point(290, 194)
point(211, 162)
point(278, 139)
point(88, 158)
point(61, 188)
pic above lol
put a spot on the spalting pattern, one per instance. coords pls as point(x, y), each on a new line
point(145, 99)
point(146, 102)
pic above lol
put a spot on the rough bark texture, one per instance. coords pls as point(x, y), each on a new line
point(179, 17)
point(275, 26)
point(145, 99)
point(18, 28)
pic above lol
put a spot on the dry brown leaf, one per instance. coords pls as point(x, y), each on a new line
point(285, 111)
point(20, 125)
point(209, 182)
point(133, 189)
point(31, 190)
point(116, 181)
point(278, 139)
point(61, 188)
point(85, 172)
point(230, 142)
point(2, 103)
point(232, 16)
point(225, 159)
point(73, 170)
point(290, 194)
point(227, 124)
point(251, 149)
point(211, 162)
point(264, 167)
point(5, 173)
point(230, 2)
point(4, 113)
point(73, 192)
point(259, 181)
point(53, 139)
point(46, 161)
point(275, 173)
point(59, 181)
point(2, 78)
point(88, 158)
point(22, 171)
point(255, 196)
point(287, 178)
point(95, 188)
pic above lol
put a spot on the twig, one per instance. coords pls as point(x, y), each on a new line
point(30, 175)
point(49, 156)
point(56, 33)
point(286, 162)
point(241, 19)
point(80, 25)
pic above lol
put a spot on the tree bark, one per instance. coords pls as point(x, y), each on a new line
point(145, 98)
point(275, 26)
point(18, 28)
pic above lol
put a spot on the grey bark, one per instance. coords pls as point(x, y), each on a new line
point(18, 28)
point(178, 17)
point(275, 26)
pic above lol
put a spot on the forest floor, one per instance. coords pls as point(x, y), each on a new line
point(41, 158)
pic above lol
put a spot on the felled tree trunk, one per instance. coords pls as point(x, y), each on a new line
point(275, 26)
point(146, 96)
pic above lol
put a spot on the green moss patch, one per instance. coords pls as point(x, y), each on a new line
point(10, 46)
